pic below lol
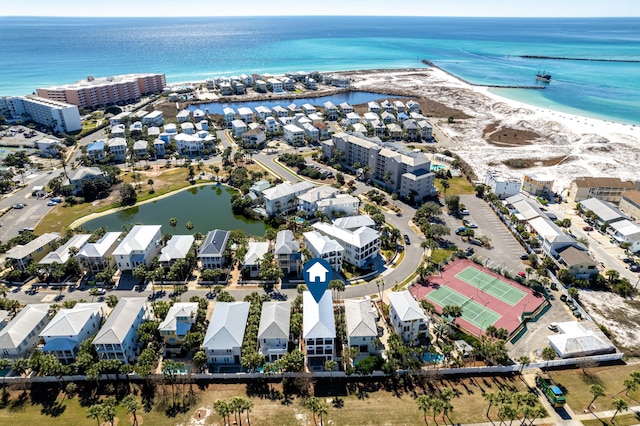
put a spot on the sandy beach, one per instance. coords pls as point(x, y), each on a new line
point(576, 145)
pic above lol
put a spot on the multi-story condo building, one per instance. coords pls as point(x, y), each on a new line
point(58, 115)
point(93, 93)
point(403, 172)
point(502, 186)
point(361, 246)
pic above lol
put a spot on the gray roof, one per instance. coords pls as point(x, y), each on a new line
point(285, 243)
point(359, 315)
point(19, 327)
point(70, 322)
point(122, 318)
point(100, 247)
point(227, 325)
point(19, 252)
point(83, 173)
point(177, 248)
point(317, 318)
point(214, 243)
point(406, 306)
point(61, 254)
point(274, 320)
point(605, 211)
point(354, 222)
point(255, 252)
point(139, 238)
point(184, 309)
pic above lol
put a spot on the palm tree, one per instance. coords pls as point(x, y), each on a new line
point(173, 222)
point(150, 183)
point(322, 410)
point(131, 404)
point(247, 405)
point(621, 405)
point(95, 411)
point(236, 405)
point(612, 275)
point(597, 391)
point(424, 405)
point(548, 353)
point(93, 292)
point(524, 361)
point(223, 409)
point(445, 185)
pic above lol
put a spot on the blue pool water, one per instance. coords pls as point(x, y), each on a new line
point(433, 357)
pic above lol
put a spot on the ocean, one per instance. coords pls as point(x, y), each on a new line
point(41, 51)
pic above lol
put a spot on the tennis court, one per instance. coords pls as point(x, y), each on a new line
point(472, 311)
point(491, 285)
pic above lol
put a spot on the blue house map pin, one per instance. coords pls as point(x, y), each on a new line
point(317, 273)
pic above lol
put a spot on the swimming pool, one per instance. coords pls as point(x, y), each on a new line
point(431, 357)
point(436, 167)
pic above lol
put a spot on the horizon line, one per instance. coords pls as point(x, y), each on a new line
point(327, 16)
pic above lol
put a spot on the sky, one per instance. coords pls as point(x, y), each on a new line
point(477, 8)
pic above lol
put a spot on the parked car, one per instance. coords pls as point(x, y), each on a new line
point(587, 228)
point(461, 230)
point(406, 239)
point(56, 200)
point(634, 268)
point(469, 224)
point(524, 256)
point(553, 326)
point(18, 206)
point(476, 242)
point(464, 212)
point(52, 203)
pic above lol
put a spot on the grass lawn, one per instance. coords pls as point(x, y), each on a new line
point(59, 218)
point(457, 185)
point(363, 404)
point(577, 386)
point(622, 419)
point(438, 255)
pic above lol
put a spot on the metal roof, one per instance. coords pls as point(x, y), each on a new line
point(121, 320)
point(275, 320)
point(227, 325)
point(317, 317)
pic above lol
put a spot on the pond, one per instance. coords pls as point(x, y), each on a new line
point(354, 98)
point(207, 207)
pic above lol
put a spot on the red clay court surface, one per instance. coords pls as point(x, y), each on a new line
point(482, 301)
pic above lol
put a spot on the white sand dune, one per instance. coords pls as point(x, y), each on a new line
point(591, 147)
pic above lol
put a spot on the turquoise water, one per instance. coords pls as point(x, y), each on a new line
point(38, 52)
point(431, 357)
point(208, 207)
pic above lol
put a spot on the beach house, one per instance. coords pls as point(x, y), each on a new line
point(407, 317)
point(118, 336)
point(96, 257)
point(177, 247)
point(139, 247)
point(177, 324)
point(273, 331)
point(318, 330)
point(33, 251)
point(321, 246)
point(256, 250)
point(212, 251)
point(223, 340)
point(361, 246)
point(362, 331)
point(70, 327)
point(21, 334)
point(287, 253)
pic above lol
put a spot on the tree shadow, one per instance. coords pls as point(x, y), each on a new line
point(54, 409)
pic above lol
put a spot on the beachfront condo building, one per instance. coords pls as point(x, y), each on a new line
point(97, 92)
point(399, 171)
point(57, 115)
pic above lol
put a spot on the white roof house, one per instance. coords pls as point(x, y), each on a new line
point(33, 250)
point(324, 247)
point(607, 212)
point(361, 245)
point(21, 334)
point(138, 247)
point(406, 306)
point(279, 198)
point(178, 322)
point(177, 248)
point(523, 208)
point(69, 327)
point(408, 319)
point(255, 252)
point(226, 332)
point(93, 256)
point(273, 332)
point(317, 317)
point(578, 339)
point(117, 337)
point(354, 222)
point(360, 316)
point(61, 254)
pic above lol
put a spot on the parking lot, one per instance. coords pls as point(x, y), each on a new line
point(505, 249)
